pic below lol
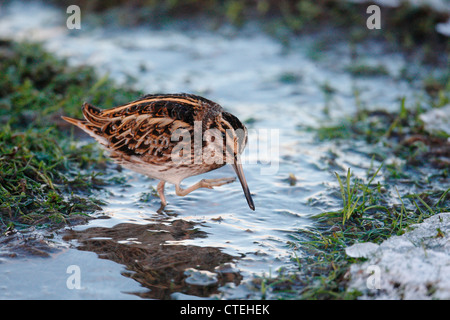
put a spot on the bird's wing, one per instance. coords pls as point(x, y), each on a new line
point(144, 128)
point(144, 136)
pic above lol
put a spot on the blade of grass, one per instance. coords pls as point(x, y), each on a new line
point(402, 211)
point(442, 197)
point(420, 211)
point(342, 189)
point(426, 205)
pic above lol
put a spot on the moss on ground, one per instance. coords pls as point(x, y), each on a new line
point(42, 172)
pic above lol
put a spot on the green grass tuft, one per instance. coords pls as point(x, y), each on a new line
point(46, 179)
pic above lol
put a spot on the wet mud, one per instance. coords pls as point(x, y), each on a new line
point(29, 243)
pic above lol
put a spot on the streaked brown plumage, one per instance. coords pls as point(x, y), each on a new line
point(166, 137)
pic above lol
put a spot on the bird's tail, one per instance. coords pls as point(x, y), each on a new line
point(92, 123)
point(93, 115)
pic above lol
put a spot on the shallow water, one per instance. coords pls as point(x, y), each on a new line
point(278, 89)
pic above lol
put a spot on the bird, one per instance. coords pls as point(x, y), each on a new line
point(170, 137)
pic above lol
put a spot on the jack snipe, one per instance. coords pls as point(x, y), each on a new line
point(170, 137)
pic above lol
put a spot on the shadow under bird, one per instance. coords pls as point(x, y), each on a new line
point(170, 137)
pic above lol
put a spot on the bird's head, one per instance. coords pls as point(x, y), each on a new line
point(236, 137)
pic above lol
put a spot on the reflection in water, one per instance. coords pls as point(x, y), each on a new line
point(161, 267)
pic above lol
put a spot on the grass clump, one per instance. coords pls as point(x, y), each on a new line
point(411, 185)
point(366, 70)
point(36, 185)
point(386, 202)
point(368, 215)
point(37, 87)
point(47, 180)
point(401, 134)
point(351, 202)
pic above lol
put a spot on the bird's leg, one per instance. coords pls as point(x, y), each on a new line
point(204, 183)
point(160, 189)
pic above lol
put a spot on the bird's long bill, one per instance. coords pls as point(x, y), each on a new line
point(237, 166)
